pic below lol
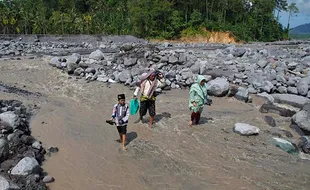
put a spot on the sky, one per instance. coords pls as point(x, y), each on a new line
point(303, 17)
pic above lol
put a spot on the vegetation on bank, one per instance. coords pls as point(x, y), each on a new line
point(248, 20)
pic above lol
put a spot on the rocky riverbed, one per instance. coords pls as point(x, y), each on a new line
point(260, 92)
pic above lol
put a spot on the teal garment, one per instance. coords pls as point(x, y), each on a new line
point(198, 94)
point(134, 106)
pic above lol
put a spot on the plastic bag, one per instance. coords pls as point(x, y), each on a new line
point(133, 106)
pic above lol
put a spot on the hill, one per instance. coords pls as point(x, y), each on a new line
point(302, 29)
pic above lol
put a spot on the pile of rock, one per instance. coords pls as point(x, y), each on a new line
point(20, 154)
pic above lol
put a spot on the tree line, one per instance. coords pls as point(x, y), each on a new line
point(248, 20)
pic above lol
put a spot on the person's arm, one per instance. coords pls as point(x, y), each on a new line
point(114, 112)
point(135, 94)
point(125, 119)
point(192, 97)
point(161, 82)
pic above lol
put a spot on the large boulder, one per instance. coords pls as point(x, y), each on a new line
point(128, 62)
point(10, 118)
point(4, 150)
point(71, 68)
point(96, 55)
point(246, 129)
point(124, 76)
point(242, 94)
point(55, 61)
point(303, 87)
point(6, 184)
point(173, 59)
point(218, 87)
point(26, 166)
point(302, 119)
point(74, 58)
point(267, 86)
point(239, 52)
point(290, 99)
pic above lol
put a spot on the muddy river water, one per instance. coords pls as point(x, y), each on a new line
point(72, 116)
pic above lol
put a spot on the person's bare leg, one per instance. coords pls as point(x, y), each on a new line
point(151, 121)
point(124, 142)
point(120, 138)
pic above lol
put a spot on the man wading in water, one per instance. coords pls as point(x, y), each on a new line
point(147, 85)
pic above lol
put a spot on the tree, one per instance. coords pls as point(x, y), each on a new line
point(292, 9)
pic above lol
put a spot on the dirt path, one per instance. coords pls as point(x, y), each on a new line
point(172, 156)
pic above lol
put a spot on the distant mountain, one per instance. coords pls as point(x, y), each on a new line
point(302, 29)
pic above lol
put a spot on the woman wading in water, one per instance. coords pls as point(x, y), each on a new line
point(197, 99)
point(147, 86)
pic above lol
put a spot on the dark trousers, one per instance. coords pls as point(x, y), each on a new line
point(196, 117)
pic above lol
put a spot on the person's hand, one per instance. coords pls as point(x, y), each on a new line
point(194, 103)
point(120, 122)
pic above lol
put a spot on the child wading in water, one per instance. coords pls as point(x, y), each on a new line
point(120, 117)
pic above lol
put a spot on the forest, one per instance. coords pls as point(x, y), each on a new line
point(248, 20)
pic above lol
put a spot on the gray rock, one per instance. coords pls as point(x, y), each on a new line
point(10, 118)
point(292, 90)
point(54, 61)
point(281, 79)
point(71, 67)
point(48, 179)
point(218, 87)
point(303, 87)
point(246, 129)
point(242, 94)
point(96, 55)
point(26, 166)
point(4, 150)
point(74, 58)
point(252, 90)
point(305, 144)
point(268, 98)
point(270, 121)
point(282, 90)
point(239, 52)
point(78, 71)
point(187, 74)
point(308, 95)
point(128, 62)
point(302, 119)
point(262, 63)
point(90, 70)
point(291, 82)
point(182, 58)
point(7, 184)
point(292, 65)
point(37, 145)
point(267, 86)
point(173, 59)
point(290, 99)
point(124, 76)
point(285, 145)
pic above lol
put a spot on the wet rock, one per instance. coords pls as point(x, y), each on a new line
point(242, 94)
point(285, 145)
point(10, 118)
point(48, 179)
point(28, 140)
point(272, 108)
point(26, 166)
point(6, 184)
point(53, 149)
point(270, 121)
point(96, 55)
point(218, 87)
point(246, 129)
point(4, 149)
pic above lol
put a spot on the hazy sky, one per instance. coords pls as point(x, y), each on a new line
point(302, 18)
